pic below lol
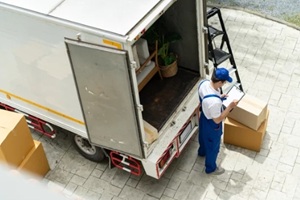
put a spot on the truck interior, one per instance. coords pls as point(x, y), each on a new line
point(161, 96)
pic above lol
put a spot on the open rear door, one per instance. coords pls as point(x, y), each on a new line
point(201, 9)
point(105, 92)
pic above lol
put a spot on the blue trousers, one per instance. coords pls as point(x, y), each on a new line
point(209, 140)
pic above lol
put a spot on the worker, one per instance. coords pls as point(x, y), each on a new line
point(211, 117)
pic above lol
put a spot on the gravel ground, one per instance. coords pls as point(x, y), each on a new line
point(285, 10)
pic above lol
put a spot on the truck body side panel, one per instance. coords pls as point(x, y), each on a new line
point(36, 74)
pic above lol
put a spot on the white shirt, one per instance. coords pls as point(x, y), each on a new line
point(211, 106)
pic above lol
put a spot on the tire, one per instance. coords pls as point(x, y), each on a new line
point(87, 150)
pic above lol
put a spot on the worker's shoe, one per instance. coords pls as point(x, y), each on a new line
point(218, 171)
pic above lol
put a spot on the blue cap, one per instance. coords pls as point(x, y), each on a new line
point(223, 74)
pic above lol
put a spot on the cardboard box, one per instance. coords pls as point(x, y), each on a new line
point(151, 133)
point(250, 111)
point(15, 138)
point(240, 135)
point(36, 161)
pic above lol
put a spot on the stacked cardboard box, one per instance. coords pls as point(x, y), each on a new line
point(247, 123)
point(36, 161)
point(17, 147)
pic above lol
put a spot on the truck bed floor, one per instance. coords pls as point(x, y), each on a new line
point(160, 98)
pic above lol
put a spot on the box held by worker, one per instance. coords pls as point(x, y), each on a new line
point(250, 112)
point(240, 135)
point(36, 162)
point(15, 138)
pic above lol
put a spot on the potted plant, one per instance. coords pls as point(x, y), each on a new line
point(167, 59)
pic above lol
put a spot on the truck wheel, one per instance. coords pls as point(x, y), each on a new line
point(87, 150)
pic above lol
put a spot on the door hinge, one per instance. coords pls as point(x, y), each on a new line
point(146, 144)
point(205, 30)
point(133, 65)
point(140, 108)
point(206, 67)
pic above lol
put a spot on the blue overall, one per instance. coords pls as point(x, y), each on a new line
point(209, 137)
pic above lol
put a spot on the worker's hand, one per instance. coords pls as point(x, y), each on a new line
point(224, 95)
point(233, 104)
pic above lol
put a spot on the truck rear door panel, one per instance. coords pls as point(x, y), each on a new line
point(104, 89)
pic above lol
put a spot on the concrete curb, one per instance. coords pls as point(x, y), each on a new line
point(255, 13)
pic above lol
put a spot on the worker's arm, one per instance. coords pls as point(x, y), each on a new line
point(225, 112)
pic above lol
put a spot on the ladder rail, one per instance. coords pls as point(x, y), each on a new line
point(213, 33)
point(226, 39)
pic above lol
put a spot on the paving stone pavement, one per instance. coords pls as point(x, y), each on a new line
point(267, 54)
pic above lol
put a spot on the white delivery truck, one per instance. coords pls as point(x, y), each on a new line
point(77, 65)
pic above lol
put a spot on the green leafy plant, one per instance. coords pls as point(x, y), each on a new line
point(157, 32)
point(164, 53)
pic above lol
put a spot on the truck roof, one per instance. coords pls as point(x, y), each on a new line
point(116, 16)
